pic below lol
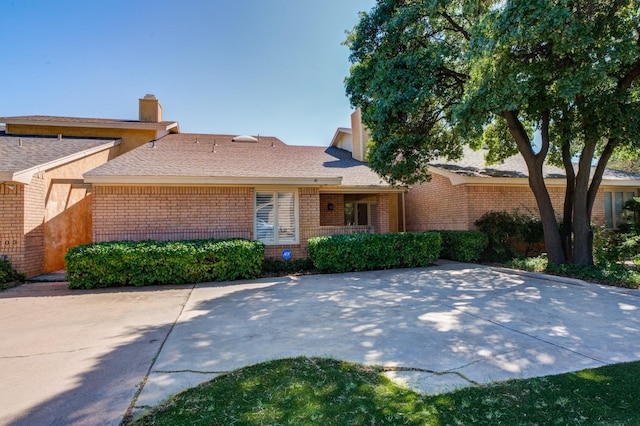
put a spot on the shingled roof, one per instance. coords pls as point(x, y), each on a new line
point(22, 156)
point(472, 165)
point(185, 158)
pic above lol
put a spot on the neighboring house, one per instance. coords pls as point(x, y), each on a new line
point(43, 199)
point(45, 205)
point(460, 192)
point(205, 185)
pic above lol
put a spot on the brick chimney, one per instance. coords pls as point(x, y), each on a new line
point(150, 109)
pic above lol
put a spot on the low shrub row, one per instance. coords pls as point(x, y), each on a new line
point(363, 252)
point(463, 246)
point(143, 263)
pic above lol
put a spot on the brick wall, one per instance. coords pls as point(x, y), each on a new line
point(439, 205)
point(519, 199)
point(124, 212)
point(333, 217)
point(382, 204)
point(34, 214)
point(12, 224)
point(436, 205)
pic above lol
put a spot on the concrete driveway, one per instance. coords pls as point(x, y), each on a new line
point(86, 357)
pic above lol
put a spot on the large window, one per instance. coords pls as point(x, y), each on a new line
point(275, 218)
point(614, 213)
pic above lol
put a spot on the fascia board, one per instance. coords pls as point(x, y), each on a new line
point(210, 180)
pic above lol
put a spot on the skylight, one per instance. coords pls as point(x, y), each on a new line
point(244, 138)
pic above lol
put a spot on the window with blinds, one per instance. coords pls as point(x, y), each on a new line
point(275, 218)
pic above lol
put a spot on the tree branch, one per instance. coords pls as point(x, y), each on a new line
point(457, 27)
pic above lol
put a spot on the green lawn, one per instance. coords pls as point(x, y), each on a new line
point(320, 391)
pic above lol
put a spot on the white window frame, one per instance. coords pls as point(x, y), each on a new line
point(276, 240)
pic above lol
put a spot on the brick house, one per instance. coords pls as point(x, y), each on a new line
point(66, 181)
point(45, 205)
point(209, 185)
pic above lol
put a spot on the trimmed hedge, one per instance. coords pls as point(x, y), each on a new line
point(364, 252)
point(122, 263)
point(463, 246)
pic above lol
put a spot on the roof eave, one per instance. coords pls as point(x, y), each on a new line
point(211, 180)
point(172, 127)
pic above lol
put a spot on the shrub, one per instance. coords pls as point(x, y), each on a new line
point(362, 252)
point(463, 246)
point(532, 264)
point(503, 228)
point(120, 263)
point(8, 274)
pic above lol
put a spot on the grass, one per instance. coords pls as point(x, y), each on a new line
point(320, 391)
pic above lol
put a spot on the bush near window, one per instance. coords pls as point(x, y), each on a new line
point(121, 263)
point(463, 246)
point(8, 274)
point(364, 252)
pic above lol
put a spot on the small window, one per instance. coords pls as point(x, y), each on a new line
point(614, 212)
point(276, 218)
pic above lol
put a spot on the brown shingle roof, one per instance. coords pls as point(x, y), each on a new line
point(217, 159)
point(472, 164)
point(21, 154)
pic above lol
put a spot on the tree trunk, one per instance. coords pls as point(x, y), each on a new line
point(569, 197)
point(534, 163)
point(582, 233)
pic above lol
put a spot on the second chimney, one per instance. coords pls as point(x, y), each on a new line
point(150, 109)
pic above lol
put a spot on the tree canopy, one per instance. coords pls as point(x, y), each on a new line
point(432, 76)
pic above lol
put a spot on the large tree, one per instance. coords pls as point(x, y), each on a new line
point(432, 76)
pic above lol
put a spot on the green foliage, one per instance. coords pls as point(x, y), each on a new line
point(363, 252)
point(531, 264)
point(501, 228)
point(611, 273)
point(463, 246)
point(434, 76)
point(319, 391)
point(616, 275)
point(8, 274)
point(120, 263)
point(613, 248)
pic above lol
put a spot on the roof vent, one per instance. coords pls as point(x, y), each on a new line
point(244, 138)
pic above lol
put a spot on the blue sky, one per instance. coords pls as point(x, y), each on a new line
point(269, 67)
